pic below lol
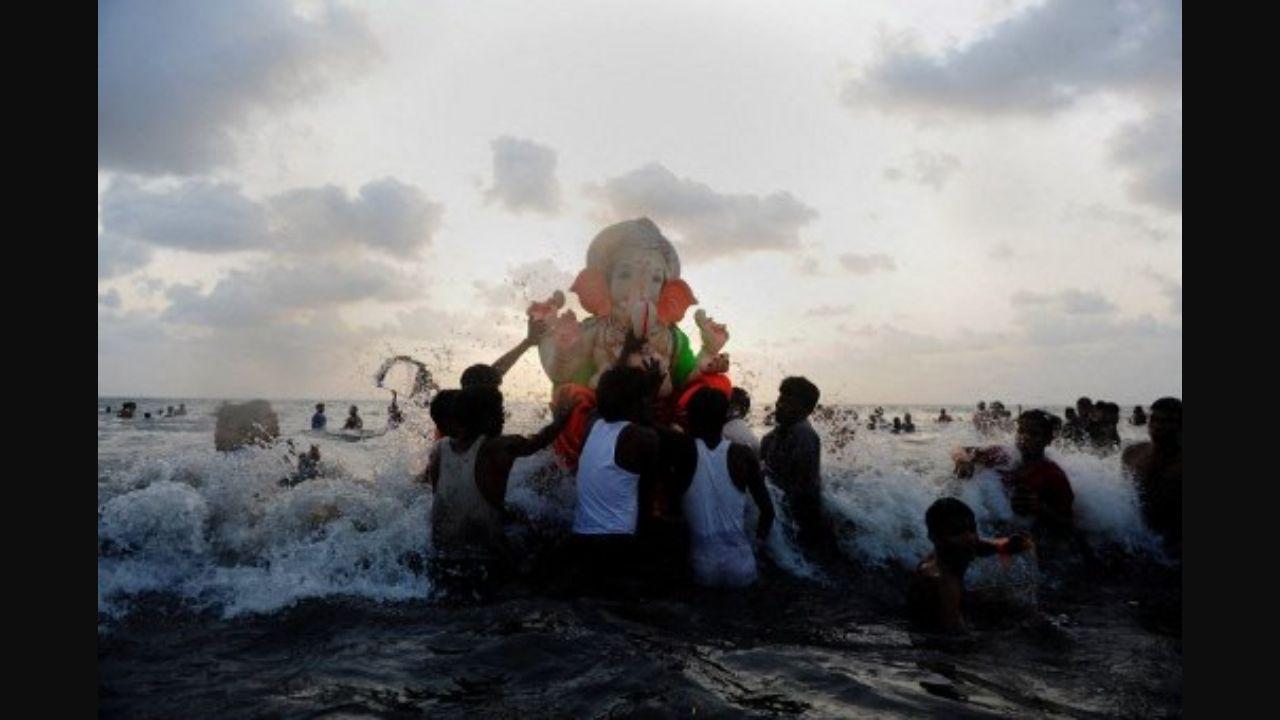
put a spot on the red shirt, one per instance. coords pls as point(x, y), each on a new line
point(1042, 477)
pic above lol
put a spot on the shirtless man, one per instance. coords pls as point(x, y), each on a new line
point(1156, 467)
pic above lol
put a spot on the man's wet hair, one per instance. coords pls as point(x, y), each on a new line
point(619, 390)
point(480, 375)
point(802, 388)
point(1037, 417)
point(1168, 405)
point(708, 409)
point(319, 407)
point(1083, 401)
point(740, 398)
point(478, 408)
point(443, 407)
point(947, 514)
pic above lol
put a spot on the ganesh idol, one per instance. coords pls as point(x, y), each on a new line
point(631, 285)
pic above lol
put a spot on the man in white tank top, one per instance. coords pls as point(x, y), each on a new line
point(468, 474)
point(619, 453)
point(715, 475)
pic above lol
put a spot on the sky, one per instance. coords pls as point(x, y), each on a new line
point(926, 202)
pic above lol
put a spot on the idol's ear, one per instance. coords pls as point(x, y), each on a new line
point(676, 297)
point(593, 291)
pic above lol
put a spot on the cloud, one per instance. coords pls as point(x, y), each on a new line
point(1037, 62)
point(385, 215)
point(867, 264)
point(1170, 288)
point(822, 311)
point(1151, 149)
point(525, 283)
point(1002, 251)
point(206, 217)
point(178, 80)
point(709, 224)
point(1069, 302)
point(524, 176)
point(280, 292)
point(806, 264)
point(110, 299)
point(927, 168)
point(1044, 60)
point(198, 216)
point(1129, 224)
point(120, 256)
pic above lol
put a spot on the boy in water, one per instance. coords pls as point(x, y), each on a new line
point(1038, 489)
point(936, 595)
point(714, 474)
point(469, 476)
point(354, 421)
point(1156, 468)
point(792, 454)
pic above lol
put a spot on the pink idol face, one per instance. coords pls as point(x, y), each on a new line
point(637, 275)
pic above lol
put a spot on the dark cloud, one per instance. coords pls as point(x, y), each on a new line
point(1038, 62)
point(1125, 224)
point(707, 223)
point(177, 80)
point(524, 176)
point(120, 256)
point(200, 216)
point(109, 299)
point(867, 264)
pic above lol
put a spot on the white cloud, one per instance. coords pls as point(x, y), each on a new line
point(867, 264)
point(177, 80)
point(524, 176)
point(110, 299)
point(823, 311)
point(1152, 151)
point(1170, 288)
point(198, 216)
point(709, 224)
point(386, 215)
point(1068, 302)
point(930, 169)
point(525, 283)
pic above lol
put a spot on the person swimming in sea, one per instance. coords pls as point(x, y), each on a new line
point(354, 421)
point(936, 597)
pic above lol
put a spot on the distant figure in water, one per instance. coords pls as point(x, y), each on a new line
point(146, 416)
point(468, 475)
point(936, 595)
point(168, 411)
point(182, 409)
point(1156, 468)
point(127, 410)
point(1139, 417)
point(318, 420)
point(907, 425)
point(897, 425)
point(736, 429)
point(107, 411)
point(354, 421)
point(1039, 490)
point(1077, 428)
point(1104, 434)
point(792, 455)
point(943, 417)
point(714, 475)
point(308, 466)
point(394, 416)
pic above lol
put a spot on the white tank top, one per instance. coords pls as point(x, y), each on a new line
point(608, 496)
point(719, 550)
point(463, 522)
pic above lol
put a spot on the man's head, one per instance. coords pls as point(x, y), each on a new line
point(314, 452)
point(1164, 424)
point(797, 397)
point(982, 405)
point(1035, 432)
point(739, 403)
point(1071, 414)
point(354, 410)
point(953, 530)
point(444, 412)
point(708, 409)
point(479, 411)
point(620, 394)
point(1084, 406)
point(319, 407)
point(480, 374)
